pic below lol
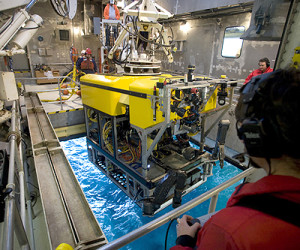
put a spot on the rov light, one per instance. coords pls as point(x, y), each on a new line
point(185, 27)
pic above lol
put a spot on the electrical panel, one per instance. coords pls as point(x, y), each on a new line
point(8, 87)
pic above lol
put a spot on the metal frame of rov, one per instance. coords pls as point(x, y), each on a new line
point(155, 166)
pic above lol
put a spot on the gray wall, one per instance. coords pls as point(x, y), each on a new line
point(185, 6)
point(203, 44)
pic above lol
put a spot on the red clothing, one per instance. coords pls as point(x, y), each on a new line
point(256, 73)
point(106, 12)
point(238, 227)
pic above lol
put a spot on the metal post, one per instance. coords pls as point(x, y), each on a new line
point(20, 232)
point(61, 106)
point(143, 136)
point(19, 162)
point(9, 218)
point(19, 155)
point(202, 139)
point(29, 211)
point(213, 203)
point(32, 242)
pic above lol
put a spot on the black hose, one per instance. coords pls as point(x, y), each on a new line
point(166, 239)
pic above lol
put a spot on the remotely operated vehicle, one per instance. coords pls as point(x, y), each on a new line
point(139, 124)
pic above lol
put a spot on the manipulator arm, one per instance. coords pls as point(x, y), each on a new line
point(220, 141)
point(119, 40)
point(166, 45)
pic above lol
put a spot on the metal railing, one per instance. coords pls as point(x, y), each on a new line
point(213, 193)
point(59, 89)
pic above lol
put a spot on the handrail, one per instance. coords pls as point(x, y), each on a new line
point(53, 90)
point(126, 239)
point(41, 78)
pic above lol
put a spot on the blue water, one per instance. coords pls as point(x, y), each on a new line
point(118, 215)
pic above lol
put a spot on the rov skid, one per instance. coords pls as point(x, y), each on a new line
point(138, 132)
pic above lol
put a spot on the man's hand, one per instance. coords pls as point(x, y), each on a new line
point(183, 227)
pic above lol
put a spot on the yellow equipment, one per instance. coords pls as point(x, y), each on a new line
point(296, 58)
point(138, 131)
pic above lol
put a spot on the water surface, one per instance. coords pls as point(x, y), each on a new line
point(118, 215)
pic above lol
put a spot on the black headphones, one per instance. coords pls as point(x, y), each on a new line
point(255, 124)
point(266, 60)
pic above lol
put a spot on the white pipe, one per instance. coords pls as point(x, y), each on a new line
point(22, 184)
point(9, 218)
point(25, 35)
point(22, 198)
point(19, 162)
point(17, 22)
point(12, 52)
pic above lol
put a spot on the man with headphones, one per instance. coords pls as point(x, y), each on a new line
point(263, 214)
point(264, 67)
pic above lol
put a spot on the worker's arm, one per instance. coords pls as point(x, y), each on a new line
point(249, 78)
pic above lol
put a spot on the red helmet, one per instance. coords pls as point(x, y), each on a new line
point(88, 51)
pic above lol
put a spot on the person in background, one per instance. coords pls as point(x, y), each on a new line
point(87, 64)
point(264, 67)
point(82, 53)
point(111, 12)
point(263, 214)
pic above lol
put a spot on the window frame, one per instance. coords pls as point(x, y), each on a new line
point(234, 57)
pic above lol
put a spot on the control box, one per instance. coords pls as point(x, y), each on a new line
point(8, 87)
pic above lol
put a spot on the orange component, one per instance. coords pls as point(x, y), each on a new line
point(5, 60)
point(78, 92)
point(74, 54)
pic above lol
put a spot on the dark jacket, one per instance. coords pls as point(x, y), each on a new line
point(86, 65)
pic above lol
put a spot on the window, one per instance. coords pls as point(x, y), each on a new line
point(64, 35)
point(232, 43)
